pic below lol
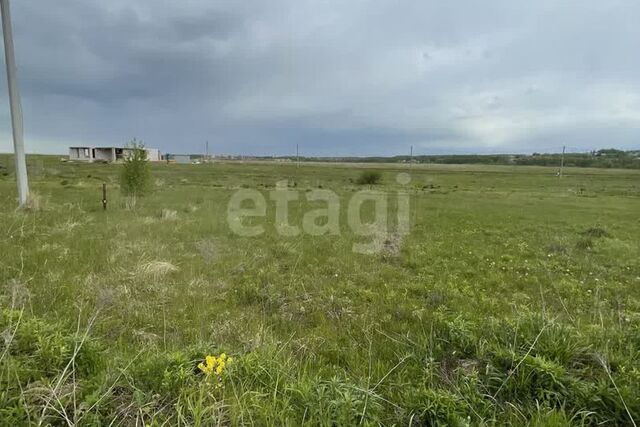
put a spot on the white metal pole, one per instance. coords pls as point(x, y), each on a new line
point(14, 103)
point(411, 158)
point(562, 162)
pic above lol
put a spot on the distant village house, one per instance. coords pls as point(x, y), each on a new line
point(108, 154)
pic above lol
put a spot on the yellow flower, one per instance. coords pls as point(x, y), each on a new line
point(214, 364)
point(211, 361)
point(207, 367)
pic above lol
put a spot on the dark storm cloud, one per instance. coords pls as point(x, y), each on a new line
point(344, 78)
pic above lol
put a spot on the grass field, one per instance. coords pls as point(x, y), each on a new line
point(513, 300)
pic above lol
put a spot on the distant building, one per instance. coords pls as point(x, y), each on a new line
point(153, 154)
point(107, 154)
point(179, 158)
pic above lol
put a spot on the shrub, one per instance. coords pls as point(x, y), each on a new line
point(135, 178)
point(369, 178)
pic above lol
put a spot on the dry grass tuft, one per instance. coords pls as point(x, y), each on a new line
point(391, 245)
point(148, 220)
point(19, 293)
point(35, 202)
point(596, 232)
point(169, 215)
point(130, 202)
point(155, 269)
point(387, 245)
point(190, 208)
point(66, 227)
point(146, 338)
point(207, 250)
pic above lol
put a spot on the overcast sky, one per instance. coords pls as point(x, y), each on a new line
point(338, 77)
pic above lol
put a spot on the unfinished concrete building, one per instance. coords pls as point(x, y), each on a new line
point(108, 154)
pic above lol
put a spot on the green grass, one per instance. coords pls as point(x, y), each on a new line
point(513, 300)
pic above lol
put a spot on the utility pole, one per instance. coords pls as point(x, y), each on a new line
point(411, 158)
point(14, 103)
point(297, 157)
point(206, 156)
point(562, 161)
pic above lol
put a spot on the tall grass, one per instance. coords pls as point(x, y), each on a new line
point(490, 312)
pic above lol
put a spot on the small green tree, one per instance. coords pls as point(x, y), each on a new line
point(135, 178)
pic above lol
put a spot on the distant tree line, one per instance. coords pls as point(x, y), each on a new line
point(606, 158)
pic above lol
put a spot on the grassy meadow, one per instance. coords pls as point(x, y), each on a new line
point(514, 300)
